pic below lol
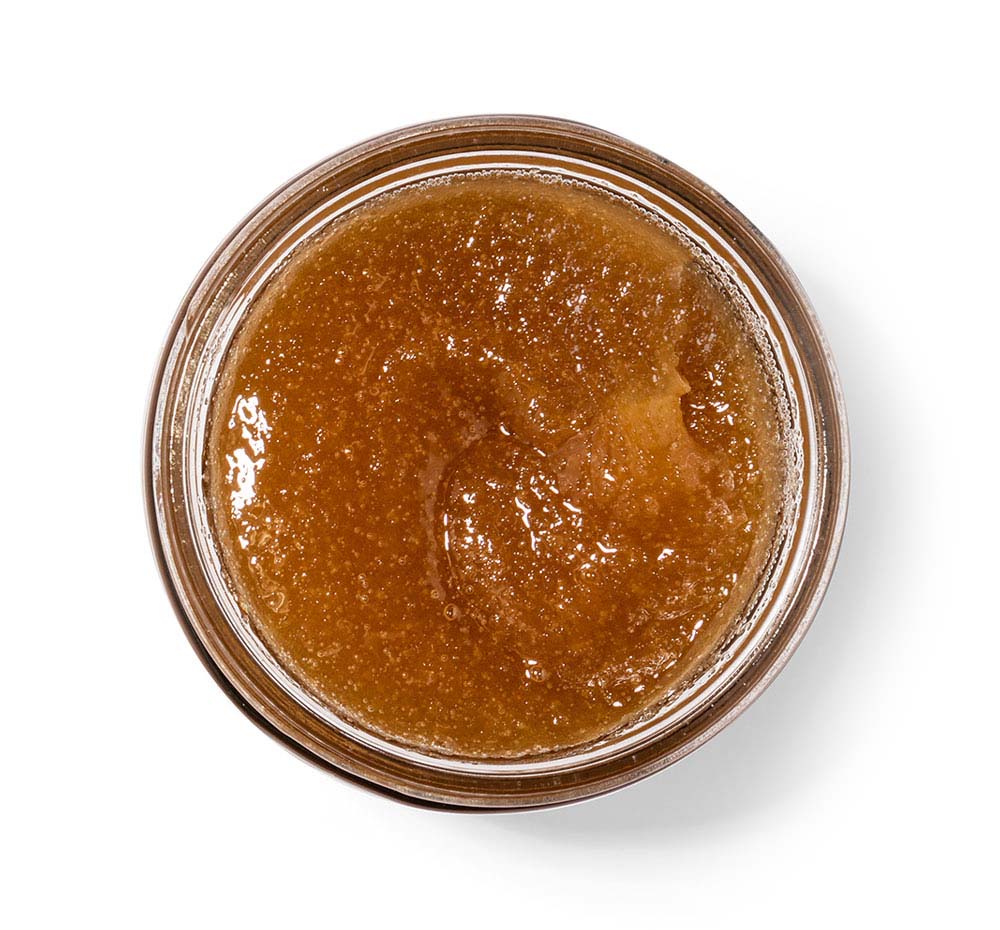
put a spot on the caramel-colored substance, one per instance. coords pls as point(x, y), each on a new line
point(492, 464)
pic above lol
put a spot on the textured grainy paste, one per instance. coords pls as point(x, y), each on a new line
point(492, 463)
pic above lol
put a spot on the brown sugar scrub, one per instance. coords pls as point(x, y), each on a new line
point(493, 463)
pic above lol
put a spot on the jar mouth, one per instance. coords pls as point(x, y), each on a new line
point(804, 379)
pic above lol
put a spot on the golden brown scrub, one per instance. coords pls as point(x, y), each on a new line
point(493, 463)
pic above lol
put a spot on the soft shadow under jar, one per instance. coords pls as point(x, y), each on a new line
point(496, 463)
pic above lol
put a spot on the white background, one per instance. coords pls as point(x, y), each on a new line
point(859, 791)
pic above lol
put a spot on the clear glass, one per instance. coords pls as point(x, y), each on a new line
point(805, 379)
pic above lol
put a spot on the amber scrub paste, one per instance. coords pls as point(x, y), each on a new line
point(494, 462)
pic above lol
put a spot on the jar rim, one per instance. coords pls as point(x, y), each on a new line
point(170, 455)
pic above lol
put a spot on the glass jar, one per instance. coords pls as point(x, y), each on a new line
point(775, 619)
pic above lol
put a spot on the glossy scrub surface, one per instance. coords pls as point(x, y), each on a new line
point(493, 463)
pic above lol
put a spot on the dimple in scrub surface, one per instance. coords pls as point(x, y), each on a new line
point(493, 463)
